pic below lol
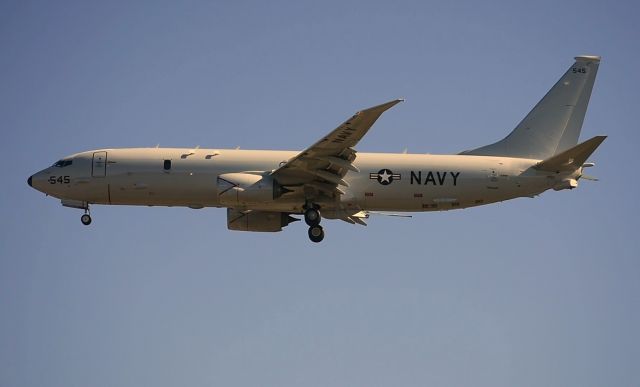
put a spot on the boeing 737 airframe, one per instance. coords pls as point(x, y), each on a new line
point(264, 189)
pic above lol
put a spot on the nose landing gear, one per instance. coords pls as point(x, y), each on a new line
point(86, 218)
point(312, 218)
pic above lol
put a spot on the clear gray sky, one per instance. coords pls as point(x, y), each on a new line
point(540, 292)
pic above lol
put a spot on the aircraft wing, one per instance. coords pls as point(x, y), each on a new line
point(322, 166)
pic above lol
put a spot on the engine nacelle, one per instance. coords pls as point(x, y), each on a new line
point(245, 188)
point(260, 221)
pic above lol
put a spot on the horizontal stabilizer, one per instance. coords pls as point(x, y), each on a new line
point(572, 158)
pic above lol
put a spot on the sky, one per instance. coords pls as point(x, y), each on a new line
point(529, 292)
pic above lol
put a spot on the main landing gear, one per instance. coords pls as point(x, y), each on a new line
point(86, 218)
point(316, 233)
point(312, 219)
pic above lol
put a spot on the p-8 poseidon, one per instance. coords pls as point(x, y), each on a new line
point(262, 189)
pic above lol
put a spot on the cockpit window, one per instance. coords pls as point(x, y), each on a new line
point(63, 163)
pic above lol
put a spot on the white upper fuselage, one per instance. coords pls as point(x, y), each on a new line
point(385, 181)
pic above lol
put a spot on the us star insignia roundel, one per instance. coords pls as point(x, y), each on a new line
point(385, 176)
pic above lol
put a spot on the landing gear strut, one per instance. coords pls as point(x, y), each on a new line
point(312, 218)
point(86, 218)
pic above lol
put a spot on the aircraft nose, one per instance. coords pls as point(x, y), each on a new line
point(29, 181)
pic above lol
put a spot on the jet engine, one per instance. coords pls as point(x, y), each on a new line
point(261, 221)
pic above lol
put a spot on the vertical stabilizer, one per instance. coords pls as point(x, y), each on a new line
point(555, 122)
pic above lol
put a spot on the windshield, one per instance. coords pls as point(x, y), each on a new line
point(62, 163)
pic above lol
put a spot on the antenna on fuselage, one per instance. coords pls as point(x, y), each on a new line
point(190, 152)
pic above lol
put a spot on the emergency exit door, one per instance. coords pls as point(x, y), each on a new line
point(99, 166)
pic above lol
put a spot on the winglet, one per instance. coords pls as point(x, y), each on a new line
point(383, 107)
point(572, 158)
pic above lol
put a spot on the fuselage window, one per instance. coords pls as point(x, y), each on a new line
point(167, 165)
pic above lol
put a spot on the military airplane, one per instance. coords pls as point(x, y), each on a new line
point(262, 189)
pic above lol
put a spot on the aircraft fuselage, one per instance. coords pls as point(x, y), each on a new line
point(385, 181)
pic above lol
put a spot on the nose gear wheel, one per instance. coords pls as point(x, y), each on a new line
point(86, 218)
